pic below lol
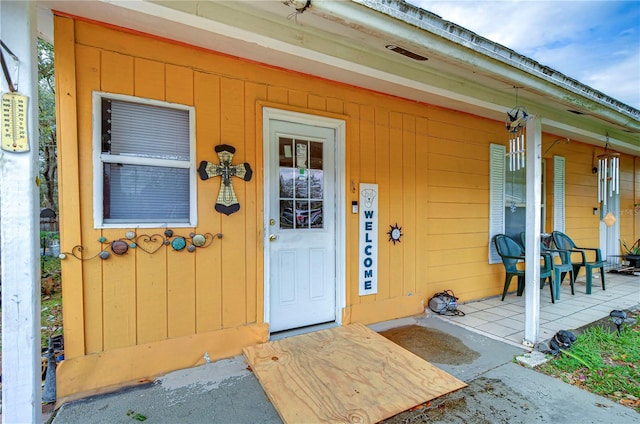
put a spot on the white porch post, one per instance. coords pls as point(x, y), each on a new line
point(19, 229)
point(532, 241)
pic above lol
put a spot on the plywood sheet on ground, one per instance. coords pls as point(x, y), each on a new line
point(344, 374)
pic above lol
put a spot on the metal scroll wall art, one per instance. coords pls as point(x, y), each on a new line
point(227, 202)
point(145, 242)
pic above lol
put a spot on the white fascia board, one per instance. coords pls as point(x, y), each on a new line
point(351, 14)
point(454, 33)
point(222, 29)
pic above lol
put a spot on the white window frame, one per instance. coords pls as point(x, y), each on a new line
point(99, 158)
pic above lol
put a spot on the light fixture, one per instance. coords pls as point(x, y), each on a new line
point(618, 317)
point(299, 5)
point(608, 173)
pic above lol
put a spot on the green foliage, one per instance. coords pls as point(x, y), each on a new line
point(49, 235)
point(51, 300)
point(47, 126)
point(603, 362)
point(633, 250)
point(50, 317)
point(50, 267)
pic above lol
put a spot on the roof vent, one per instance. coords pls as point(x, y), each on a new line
point(577, 112)
point(405, 52)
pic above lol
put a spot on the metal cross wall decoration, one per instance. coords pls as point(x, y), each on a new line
point(227, 202)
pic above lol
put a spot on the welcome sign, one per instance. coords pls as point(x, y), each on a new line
point(368, 246)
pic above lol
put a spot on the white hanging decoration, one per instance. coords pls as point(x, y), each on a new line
point(608, 173)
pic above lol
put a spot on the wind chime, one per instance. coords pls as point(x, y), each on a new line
point(515, 124)
point(608, 173)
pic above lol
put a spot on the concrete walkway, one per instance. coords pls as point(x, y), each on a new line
point(226, 392)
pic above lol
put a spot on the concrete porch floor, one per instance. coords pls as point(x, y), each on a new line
point(504, 320)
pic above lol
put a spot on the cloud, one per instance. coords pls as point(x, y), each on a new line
point(595, 42)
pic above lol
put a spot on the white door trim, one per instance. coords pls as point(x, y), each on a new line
point(339, 126)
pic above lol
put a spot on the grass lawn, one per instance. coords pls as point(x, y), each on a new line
point(603, 362)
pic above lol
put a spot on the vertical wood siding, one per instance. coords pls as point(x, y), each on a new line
point(431, 165)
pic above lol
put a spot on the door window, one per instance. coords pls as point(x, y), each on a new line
point(301, 184)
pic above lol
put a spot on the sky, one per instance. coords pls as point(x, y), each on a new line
point(595, 42)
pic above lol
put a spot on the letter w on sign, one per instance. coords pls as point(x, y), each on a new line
point(227, 202)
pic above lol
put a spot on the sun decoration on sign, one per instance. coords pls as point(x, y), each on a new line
point(395, 233)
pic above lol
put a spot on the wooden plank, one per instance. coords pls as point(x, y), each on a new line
point(335, 105)
point(353, 179)
point(473, 166)
point(69, 188)
point(181, 286)
point(234, 280)
point(179, 84)
point(456, 226)
point(88, 75)
point(344, 374)
point(118, 273)
point(447, 178)
point(380, 155)
point(409, 202)
point(297, 98)
point(253, 204)
point(317, 102)
point(208, 261)
point(458, 195)
point(151, 299)
point(151, 269)
point(149, 79)
point(394, 210)
point(423, 211)
point(181, 291)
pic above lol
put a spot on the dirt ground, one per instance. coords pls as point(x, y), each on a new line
point(482, 401)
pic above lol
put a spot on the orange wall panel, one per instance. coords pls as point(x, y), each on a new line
point(431, 166)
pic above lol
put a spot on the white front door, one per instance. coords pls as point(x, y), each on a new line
point(301, 225)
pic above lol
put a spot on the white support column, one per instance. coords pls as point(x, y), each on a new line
point(533, 225)
point(19, 229)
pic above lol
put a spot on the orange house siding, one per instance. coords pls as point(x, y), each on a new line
point(141, 314)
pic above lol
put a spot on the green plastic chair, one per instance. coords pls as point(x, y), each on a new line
point(559, 269)
point(564, 242)
point(512, 253)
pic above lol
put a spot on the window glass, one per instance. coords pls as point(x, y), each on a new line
point(160, 190)
point(301, 183)
point(147, 130)
point(515, 184)
point(147, 171)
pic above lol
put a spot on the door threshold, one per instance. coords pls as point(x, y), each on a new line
point(278, 335)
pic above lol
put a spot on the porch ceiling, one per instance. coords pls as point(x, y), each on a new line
point(345, 41)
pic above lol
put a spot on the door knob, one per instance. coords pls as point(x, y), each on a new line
point(272, 237)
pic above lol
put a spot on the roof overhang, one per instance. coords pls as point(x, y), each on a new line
point(346, 41)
